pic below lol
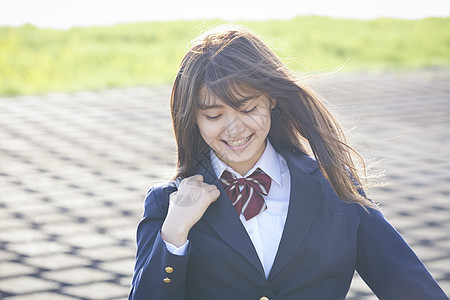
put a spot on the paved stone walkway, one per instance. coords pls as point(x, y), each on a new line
point(74, 169)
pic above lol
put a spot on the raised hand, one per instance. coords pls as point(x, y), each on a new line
point(186, 207)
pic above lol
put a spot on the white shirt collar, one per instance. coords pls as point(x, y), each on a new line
point(269, 162)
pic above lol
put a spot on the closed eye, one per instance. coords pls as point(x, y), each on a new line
point(213, 117)
point(249, 111)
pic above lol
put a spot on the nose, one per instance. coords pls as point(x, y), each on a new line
point(234, 126)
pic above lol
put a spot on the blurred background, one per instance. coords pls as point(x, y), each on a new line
point(65, 46)
point(85, 126)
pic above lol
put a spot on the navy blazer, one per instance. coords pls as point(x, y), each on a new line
point(324, 241)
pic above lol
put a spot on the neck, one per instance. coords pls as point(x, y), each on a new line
point(242, 170)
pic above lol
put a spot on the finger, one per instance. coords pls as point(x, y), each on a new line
point(195, 180)
point(210, 187)
point(197, 177)
point(214, 194)
point(196, 184)
point(183, 181)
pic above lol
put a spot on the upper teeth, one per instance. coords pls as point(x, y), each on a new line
point(238, 142)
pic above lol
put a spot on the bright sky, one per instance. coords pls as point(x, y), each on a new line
point(64, 14)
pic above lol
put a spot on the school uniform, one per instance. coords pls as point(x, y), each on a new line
point(322, 241)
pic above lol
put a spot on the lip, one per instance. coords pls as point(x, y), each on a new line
point(240, 147)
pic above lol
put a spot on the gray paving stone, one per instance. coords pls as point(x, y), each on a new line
point(430, 233)
point(12, 269)
point(107, 253)
point(8, 223)
point(62, 229)
point(359, 290)
point(123, 232)
point(52, 218)
point(89, 240)
point(78, 276)
point(57, 261)
point(42, 296)
point(115, 222)
point(37, 248)
point(101, 290)
point(26, 284)
point(21, 235)
point(6, 256)
point(122, 267)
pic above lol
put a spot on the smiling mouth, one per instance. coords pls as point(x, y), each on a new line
point(237, 143)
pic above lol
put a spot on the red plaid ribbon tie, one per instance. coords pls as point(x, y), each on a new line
point(250, 200)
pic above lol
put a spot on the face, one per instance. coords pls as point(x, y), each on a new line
point(237, 136)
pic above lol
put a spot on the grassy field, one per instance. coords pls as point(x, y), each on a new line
point(35, 60)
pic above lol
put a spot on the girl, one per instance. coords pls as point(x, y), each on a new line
point(250, 215)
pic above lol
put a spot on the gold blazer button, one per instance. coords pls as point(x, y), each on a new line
point(263, 298)
point(169, 270)
point(167, 280)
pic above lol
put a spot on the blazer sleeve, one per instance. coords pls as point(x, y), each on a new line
point(388, 265)
point(158, 274)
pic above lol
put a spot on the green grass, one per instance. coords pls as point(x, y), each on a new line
point(35, 60)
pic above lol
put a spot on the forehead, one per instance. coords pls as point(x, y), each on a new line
point(233, 96)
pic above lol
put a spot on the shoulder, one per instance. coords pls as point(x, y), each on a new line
point(308, 163)
point(163, 188)
point(310, 168)
point(298, 160)
point(157, 197)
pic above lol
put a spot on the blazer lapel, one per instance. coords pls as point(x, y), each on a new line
point(304, 201)
point(222, 217)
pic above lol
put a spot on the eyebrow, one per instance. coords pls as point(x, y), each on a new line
point(241, 102)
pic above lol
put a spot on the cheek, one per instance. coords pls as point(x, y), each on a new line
point(208, 131)
point(260, 121)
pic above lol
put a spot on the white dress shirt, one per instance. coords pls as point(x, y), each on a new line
point(265, 230)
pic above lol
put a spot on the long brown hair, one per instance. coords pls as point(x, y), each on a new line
point(232, 57)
